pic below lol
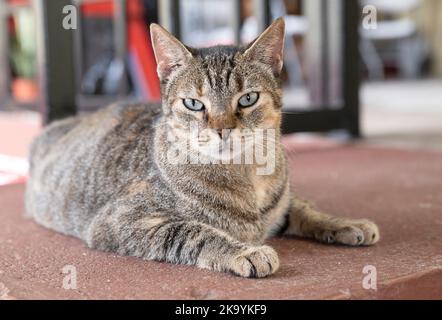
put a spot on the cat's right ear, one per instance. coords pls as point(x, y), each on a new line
point(170, 53)
point(268, 47)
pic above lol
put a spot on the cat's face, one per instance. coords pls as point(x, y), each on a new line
point(219, 94)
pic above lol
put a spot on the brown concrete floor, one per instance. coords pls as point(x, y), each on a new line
point(400, 190)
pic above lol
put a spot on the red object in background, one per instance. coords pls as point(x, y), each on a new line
point(24, 90)
point(19, 2)
point(101, 9)
point(138, 43)
point(11, 25)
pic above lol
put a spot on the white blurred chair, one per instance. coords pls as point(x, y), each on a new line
point(410, 51)
point(296, 25)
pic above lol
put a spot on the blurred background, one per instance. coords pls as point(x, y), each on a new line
point(369, 70)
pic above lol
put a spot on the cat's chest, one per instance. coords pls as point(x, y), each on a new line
point(272, 198)
point(262, 187)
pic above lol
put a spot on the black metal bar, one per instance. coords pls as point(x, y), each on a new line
point(169, 14)
point(267, 13)
point(94, 102)
point(262, 13)
point(324, 54)
point(78, 52)
point(56, 61)
point(176, 16)
point(351, 75)
point(317, 121)
point(317, 57)
point(4, 57)
point(237, 21)
point(332, 114)
point(13, 105)
point(120, 41)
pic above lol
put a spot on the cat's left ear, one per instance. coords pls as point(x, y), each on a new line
point(170, 53)
point(268, 48)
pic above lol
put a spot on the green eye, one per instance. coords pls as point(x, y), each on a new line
point(193, 104)
point(248, 99)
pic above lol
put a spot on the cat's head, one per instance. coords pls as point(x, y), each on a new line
point(224, 90)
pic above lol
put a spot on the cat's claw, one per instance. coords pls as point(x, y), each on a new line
point(255, 262)
point(370, 230)
point(352, 232)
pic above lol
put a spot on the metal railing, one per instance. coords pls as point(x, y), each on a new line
point(336, 107)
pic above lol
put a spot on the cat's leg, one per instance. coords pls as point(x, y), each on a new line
point(305, 221)
point(167, 238)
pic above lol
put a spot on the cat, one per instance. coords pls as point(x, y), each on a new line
point(107, 179)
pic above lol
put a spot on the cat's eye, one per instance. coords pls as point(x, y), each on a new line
point(193, 104)
point(248, 99)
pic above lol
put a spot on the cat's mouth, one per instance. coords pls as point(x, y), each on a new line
point(220, 149)
point(209, 146)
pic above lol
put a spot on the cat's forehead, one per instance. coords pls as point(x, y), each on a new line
point(218, 64)
point(217, 53)
point(218, 74)
point(218, 69)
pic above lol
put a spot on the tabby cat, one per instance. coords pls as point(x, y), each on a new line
point(108, 178)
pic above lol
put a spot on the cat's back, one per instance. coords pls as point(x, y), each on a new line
point(77, 163)
point(110, 120)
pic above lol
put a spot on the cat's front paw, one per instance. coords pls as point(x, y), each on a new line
point(352, 232)
point(254, 262)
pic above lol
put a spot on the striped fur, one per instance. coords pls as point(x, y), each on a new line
point(105, 177)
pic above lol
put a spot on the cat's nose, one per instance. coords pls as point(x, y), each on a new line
point(223, 133)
